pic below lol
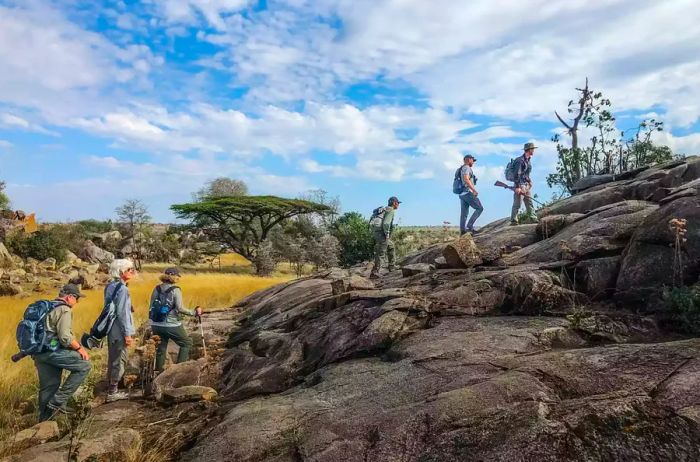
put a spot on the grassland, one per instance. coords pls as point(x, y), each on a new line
point(206, 287)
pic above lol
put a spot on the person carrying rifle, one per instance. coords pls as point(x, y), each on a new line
point(520, 171)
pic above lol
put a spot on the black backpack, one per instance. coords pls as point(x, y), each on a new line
point(159, 308)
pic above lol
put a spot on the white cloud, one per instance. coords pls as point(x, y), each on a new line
point(53, 65)
point(188, 11)
point(4, 144)
point(12, 121)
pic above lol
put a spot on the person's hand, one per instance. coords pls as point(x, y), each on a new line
point(129, 340)
point(475, 193)
point(83, 354)
point(197, 311)
point(518, 191)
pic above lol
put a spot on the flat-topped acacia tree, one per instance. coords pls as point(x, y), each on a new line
point(244, 222)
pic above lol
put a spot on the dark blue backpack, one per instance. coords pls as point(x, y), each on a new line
point(32, 336)
point(458, 182)
point(159, 308)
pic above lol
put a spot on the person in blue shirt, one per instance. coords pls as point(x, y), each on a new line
point(469, 197)
point(121, 334)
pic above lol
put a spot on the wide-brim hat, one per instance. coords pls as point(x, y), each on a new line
point(528, 146)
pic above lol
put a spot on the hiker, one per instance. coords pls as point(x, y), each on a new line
point(166, 308)
point(382, 224)
point(121, 334)
point(58, 352)
point(465, 181)
point(522, 183)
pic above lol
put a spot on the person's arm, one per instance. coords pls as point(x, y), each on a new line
point(387, 221)
point(64, 327)
point(178, 306)
point(122, 305)
point(470, 185)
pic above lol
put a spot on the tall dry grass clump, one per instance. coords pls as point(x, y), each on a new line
point(18, 381)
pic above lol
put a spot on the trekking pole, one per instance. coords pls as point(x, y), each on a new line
point(201, 331)
point(512, 188)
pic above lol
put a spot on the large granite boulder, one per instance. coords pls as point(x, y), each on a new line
point(94, 254)
point(462, 253)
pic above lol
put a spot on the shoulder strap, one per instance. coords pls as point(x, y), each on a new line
point(170, 289)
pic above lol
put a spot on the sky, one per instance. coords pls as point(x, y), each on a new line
point(106, 101)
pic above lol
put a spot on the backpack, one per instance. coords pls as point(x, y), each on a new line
point(159, 308)
point(375, 221)
point(511, 169)
point(104, 321)
point(32, 335)
point(458, 182)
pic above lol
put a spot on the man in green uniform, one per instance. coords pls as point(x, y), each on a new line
point(382, 223)
point(62, 352)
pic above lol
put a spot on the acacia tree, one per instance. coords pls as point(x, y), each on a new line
point(609, 151)
point(244, 222)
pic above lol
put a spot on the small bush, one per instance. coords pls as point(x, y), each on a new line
point(355, 238)
point(683, 304)
point(41, 245)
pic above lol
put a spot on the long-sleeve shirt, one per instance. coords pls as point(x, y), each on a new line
point(122, 307)
point(173, 300)
point(388, 220)
point(59, 322)
point(522, 171)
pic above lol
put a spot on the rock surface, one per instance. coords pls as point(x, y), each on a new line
point(427, 367)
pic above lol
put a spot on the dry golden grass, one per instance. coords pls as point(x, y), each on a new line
point(212, 291)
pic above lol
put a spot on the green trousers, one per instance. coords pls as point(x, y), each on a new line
point(382, 246)
point(177, 335)
point(50, 366)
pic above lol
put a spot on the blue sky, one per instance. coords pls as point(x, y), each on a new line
point(105, 101)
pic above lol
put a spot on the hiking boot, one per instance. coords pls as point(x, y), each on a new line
point(473, 232)
point(374, 275)
point(513, 223)
point(116, 396)
point(57, 410)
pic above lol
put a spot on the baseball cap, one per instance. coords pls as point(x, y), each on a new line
point(172, 271)
point(469, 156)
point(394, 199)
point(71, 289)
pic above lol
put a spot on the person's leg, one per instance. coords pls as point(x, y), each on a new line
point(183, 340)
point(162, 350)
point(517, 198)
point(463, 212)
point(390, 254)
point(379, 249)
point(474, 203)
point(78, 369)
point(116, 349)
point(527, 198)
point(49, 383)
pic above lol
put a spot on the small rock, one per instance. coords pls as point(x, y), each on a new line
point(441, 263)
point(188, 393)
point(462, 253)
point(39, 433)
point(48, 264)
point(416, 268)
point(9, 289)
point(92, 269)
point(354, 282)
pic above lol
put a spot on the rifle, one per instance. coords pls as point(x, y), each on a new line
point(512, 188)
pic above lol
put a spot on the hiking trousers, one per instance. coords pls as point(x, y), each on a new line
point(382, 246)
point(177, 334)
point(468, 200)
point(50, 366)
point(117, 357)
point(517, 202)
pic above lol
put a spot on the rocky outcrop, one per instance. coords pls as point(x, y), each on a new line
point(426, 366)
point(94, 254)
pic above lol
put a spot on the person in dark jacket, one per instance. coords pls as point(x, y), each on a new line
point(170, 328)
point(121, 334)
point(62, 352)
point(522, 183)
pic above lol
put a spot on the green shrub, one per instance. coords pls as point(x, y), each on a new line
point(41, 245)
point(355, 238)
point(683, 304)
